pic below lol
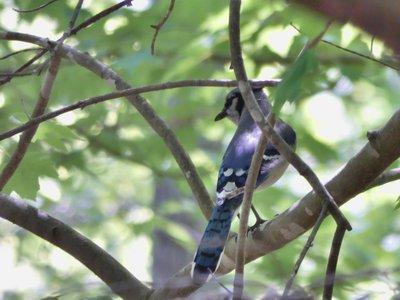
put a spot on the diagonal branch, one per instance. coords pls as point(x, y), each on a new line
point(244, 216)
point(100, 15)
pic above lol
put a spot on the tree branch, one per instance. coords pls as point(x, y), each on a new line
point(120, 280)
point(127, 92)
point(34, 9)
point(244, 216)
point(332, 263)
point(100, 15)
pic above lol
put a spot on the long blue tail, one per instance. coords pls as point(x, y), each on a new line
point(213, 241)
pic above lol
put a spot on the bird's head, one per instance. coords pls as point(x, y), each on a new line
point(234, 105)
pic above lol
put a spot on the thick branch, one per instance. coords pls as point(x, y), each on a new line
point(120, 280)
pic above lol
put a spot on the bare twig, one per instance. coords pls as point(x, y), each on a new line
point(100, 15)
point(123, 93)
point(314, 42)
point(305, 249)
point(119, 279)
point(332, 263)
point(18, 52)
point(20, 74)
point(34, 9)
point(371, 58)
point(158, 26)
point(244, 216)
point(71, 24)
point(24, 66)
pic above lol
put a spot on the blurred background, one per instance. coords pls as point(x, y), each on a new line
point(104, 172)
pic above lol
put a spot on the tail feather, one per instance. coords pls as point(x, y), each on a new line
point(213, 241)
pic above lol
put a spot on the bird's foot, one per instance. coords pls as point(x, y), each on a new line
point(258, 222)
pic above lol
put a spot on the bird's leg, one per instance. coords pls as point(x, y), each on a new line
point(259, 220)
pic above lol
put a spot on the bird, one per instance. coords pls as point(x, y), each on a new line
point(233, 174)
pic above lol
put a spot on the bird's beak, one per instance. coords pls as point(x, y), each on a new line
point(220, 116)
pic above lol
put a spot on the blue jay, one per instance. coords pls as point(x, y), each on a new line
point(233, 173)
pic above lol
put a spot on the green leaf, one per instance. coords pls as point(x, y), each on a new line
point(290, 87)
point(55, 135)
point(25, 180)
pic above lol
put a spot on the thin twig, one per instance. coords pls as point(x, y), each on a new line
point(123, 93)
point(332, 263)
point(100, 15)
point(305, 249)
point(34, 9)
point(244, 215)
point(20, 74)
point(371, 58)
point(71, 24)
point(314, 42)
point(24, 66)
point(158, 26)
point(18, 52)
